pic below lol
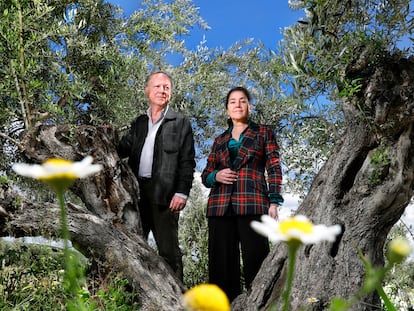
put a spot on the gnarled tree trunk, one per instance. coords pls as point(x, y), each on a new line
point(108, 226)
point(365, 186)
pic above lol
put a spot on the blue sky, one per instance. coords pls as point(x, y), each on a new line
point(232, 21)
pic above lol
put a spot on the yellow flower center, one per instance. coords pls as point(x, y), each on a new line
point(57, 162)
point(304, 226)
point(58, 169)
point(59, 173)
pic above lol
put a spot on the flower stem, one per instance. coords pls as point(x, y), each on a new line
point(71, 259)
point(385, 299)
point(63, 219)
point(293, 246)
point(68, 276)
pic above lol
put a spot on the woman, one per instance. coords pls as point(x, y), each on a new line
point(235, 172)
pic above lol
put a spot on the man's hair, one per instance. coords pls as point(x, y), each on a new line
point(147, 80)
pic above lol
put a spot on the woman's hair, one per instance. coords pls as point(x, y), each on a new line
point(238, 88)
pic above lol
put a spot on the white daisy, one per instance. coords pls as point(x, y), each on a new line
point(58, 172)
point(296, 228)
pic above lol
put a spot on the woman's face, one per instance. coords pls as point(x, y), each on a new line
point(238, 106)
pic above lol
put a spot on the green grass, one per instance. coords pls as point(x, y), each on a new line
point(31, 278)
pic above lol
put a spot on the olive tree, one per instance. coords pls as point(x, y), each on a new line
point(339, 93)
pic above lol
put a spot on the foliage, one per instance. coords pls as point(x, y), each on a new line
point(333, 34)
point(80, 62)
point(4, 180)
point(193, 235)
point(113, 293)
point(31, 278)
point(334, 38)
point(380, 161)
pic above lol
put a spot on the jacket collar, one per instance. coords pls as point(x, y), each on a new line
point(247, 143)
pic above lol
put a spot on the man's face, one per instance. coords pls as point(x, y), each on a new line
point(158, 90)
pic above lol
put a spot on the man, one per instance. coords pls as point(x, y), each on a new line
point(160, 151)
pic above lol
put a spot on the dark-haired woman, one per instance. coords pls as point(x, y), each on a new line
point(240, 192)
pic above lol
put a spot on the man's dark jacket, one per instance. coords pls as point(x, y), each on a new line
point(174, 154)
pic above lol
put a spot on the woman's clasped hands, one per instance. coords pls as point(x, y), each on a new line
point(226, 176)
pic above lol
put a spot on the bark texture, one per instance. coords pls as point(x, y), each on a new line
point(364, 186)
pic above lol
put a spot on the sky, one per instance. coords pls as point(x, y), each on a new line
point(232, 21)
point(236, 20)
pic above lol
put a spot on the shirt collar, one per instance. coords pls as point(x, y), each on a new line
point(162, 115)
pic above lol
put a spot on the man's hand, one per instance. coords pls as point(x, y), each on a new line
point(177, 203)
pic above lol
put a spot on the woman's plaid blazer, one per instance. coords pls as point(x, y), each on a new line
point(249, 195)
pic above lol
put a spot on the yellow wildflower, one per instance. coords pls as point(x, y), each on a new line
point(206, 297)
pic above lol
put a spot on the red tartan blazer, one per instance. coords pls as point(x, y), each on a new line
point(249, 195)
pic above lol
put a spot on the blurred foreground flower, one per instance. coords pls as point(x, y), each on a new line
point(58, 173)
point(206, 297)
point(294, 231)
point(399, 249)
point(297, 228)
